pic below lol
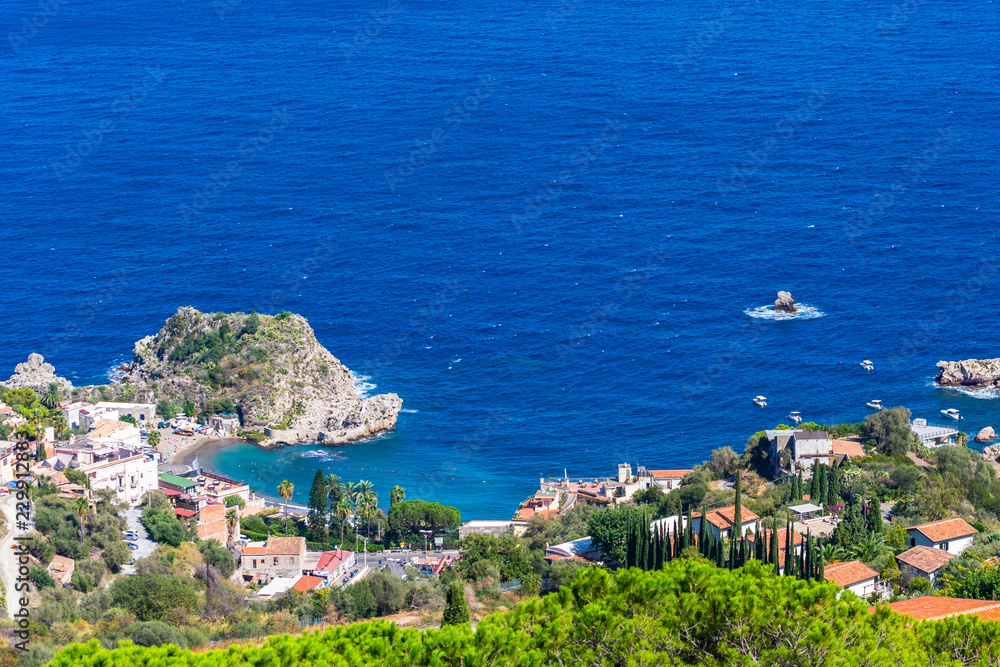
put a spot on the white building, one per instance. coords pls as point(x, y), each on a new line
point(140, 412)
point(128, 472)
point(806, 447)
point(667, 480)
point(115, 433)
point(722, 521)
point(72, 413)
point(854, 576)
point(926, 562)
point(951, 535)
point(932, 436)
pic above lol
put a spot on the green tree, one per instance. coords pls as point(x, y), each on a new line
point(607, 529)
point(285, 490)
point(506, 552)
point(891, 430)
point(217, 555)
point(40, 576)
point(396, 494)
point(318, 501)
point(850, 530)
point(153, 438)
point(154, 597)
point(408, 517)
point(456, 611)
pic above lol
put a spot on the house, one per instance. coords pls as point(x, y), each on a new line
point(129, 472)
point(932, 436)
point(334, 565)
point(212, 524)
point(277, 557)
point(140, 412)
point(849, 450)
point(930, 608)
point(7, 458)
point(798, 543)
point(576, 549)
point(111, 432)
point(176, 484)
point(668, 480)
point(276, 586)
point(307, 583)
point(71, 412)
point(805, 448)
point(61, 569)
point(496, 528)
point(721, 521)
point(854, 576)
point(225, 424)
point(923, 562)
point(952, 535)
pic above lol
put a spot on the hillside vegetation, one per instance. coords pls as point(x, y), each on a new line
point(690, 613)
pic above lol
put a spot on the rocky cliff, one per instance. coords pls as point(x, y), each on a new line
point(36, 375)
point(975, 373)
point(270, 369)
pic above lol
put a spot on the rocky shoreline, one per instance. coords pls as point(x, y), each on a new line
point(971, 373)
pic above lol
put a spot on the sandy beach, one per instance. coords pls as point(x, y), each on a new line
point(185, 449)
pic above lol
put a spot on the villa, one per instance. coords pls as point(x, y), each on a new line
point(855, 576)
point(921, 561)
point(722, 521)
point(951, 535)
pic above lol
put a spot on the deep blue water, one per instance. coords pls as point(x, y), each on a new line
point(541, 224)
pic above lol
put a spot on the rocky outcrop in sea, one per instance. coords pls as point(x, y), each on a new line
point(986, 435)
point(37, 375)
point(973, 373)
point(785, 303)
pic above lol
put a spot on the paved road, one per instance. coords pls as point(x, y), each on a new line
point(146, 545)
point(8, 561)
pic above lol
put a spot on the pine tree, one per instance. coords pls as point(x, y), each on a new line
point(456, 610)
point(318, 503)
point(814, 487)
point(738, 510)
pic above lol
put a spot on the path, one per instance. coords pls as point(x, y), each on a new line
point(8, 561)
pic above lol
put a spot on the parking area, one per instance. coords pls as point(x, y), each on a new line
point(146, 546)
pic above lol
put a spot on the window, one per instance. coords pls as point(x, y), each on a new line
point(255, 562)
point(913, 541)
point(944, 545)
point(275, 560)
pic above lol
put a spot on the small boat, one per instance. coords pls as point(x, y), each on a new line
point(867, 365)
point(951, 413)
point(796, 417)
point(761, 401)
point(875, 404)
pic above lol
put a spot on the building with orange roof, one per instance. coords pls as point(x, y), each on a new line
point(932, 608)
point(798, 543)
point(951, 535)
point(721, 521)
point(854, 576)
point(668, 480)
point(307, 583)
point(847, 449)
point(277, 557)
point(925, 562)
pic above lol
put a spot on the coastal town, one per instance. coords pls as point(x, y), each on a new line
point(897, 510)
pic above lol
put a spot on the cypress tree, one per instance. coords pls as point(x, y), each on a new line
point(650, 550)
point(456, 610)
point(801, 488)
point(738, 511)
point(814, 486)
point(689, 530)
point(732, 551)
point(822, 568)
point(875, 523)
point(833, 496)
point(318, 502)
point(641, 549)
point(824, 485)
point(630, 542)
point(774, 545)
point(719, 554)
point(659, 549)
point(789, 550)
point(677, 537)
point(702, 531)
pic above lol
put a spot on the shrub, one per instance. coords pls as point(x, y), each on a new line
point(40, 576)
point(155, 633)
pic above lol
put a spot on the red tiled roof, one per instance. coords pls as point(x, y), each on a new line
point(945, 529)
point(930, 607)
point(170, 492)
point(724, 517)
point(925, 559)
point(306, 583)
point(848, 572)
point(669, 474)
point(850, 448)
point(183, 512)
point(285, 546)
point(331, 560)
point(253, 551)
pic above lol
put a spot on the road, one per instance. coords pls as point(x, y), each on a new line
point(397, 561)
point(8, 561)
point(146, 545)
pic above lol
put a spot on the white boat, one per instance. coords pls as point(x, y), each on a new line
point(761, 401)
point(796, 417)
point(875, 404)
point(951, 413)
point(867, 365)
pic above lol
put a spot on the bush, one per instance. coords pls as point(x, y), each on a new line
point(155, 633)
point(154, 597)
point(235, 501)
point(456, 611)
point(40, 576)
point(87, 575)
point(219, 556)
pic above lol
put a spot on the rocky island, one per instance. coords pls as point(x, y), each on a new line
point(284, 385)
point(972, 373)
point(785, 303)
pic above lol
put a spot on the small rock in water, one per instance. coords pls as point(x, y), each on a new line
point(986, 435)
point(785, 303)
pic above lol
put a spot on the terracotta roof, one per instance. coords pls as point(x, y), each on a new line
point(848, 572)
point(331, 560)
point(946, 529)
point(528, 512)
point(285, 546)
point(307, 582)
point(930, 607)
point(849, 448)
point(723, 518)
point(183, 512)
point(105, 427)
point(61, 565)
point(925, 559)
point(253, 551)
point(669, 474)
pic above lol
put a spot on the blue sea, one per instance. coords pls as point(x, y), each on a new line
point(553, 228)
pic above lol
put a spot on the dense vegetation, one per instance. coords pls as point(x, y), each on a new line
point(691, 613)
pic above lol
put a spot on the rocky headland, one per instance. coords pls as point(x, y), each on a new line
point(285, 386)
point(972, 373)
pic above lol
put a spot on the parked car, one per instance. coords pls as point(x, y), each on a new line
point(133, 546)
point(244, 538)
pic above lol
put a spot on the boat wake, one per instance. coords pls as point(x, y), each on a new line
point(806, 312)
point(323, 455)
point(409, 411)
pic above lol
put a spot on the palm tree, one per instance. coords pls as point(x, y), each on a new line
point(869, 550)
point(833, 552)
point(82, 509)
point(59, 425)
point(333, 494)
point(285, 490)
point(365, 499)
point(232, 523)
point(52, 396)
point(343, 510)
point(396, 494)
